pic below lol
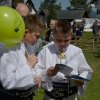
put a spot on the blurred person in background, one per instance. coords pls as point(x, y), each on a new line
point(22, 9)
point(49, 34)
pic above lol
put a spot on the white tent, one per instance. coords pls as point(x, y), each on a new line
point(88, 25)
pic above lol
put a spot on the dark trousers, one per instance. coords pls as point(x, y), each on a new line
point(16, 94)
point(7, 97)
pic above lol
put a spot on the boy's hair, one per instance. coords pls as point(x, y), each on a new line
point(62, 27)
point(34, 24)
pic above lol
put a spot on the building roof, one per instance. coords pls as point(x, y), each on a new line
point(72, 14)
point(5, 2)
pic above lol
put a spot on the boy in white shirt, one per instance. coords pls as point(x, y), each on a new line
point(17, 78)
point(72, 62)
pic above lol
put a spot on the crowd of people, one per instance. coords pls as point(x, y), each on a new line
point(30, 65)
point(78, 28)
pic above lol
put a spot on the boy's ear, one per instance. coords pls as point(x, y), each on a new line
point(26, 32)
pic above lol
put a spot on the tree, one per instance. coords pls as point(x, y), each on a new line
point(52, 8)
point(79, 4)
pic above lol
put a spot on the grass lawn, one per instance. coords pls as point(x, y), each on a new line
point(93, 58)
point(93, 90)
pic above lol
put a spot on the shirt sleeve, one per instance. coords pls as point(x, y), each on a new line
point(84, 71)
point(15, 73)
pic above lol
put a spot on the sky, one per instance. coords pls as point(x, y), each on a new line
point(64, 3)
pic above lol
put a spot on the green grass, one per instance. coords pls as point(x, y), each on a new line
point(93, 58)
point(39, 95)
point(93, 90)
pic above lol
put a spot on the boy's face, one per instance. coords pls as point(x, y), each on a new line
point(31, 38)
point(62, 40)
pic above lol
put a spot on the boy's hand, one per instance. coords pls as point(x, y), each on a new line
point(52, 71)
point(37, 81)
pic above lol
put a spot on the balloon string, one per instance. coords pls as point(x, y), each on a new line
point(26, 54)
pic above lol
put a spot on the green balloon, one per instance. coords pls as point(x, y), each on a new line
point(12, 27)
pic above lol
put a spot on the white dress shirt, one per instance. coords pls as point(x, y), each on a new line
point(74, 58)
point(15, 73)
